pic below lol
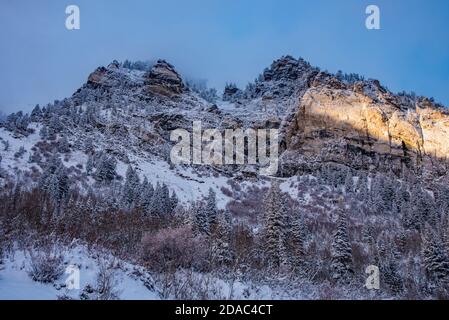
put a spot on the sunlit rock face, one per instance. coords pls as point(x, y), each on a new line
point(365, 126)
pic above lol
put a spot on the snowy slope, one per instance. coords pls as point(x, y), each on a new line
point(9, 161)
point(15, 282)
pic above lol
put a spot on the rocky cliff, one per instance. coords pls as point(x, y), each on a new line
point(365, 126)
point(323, 118)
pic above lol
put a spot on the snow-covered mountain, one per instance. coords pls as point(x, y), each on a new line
point(362, 175)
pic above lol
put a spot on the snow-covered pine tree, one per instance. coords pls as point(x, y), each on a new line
point(423, 206)
point(165, 200)
point(89, 164)
point(145, 195)
point(435, 259)
point(43, 133)
point(200, 218)
point(390, 274)
point(342, 262)
point(220, 238)
point(57, 185)
point(362, 186)
point(147, 199)
point(105, 172)
point(445, 232)
point(442, 201)
point(54, 180)
point(89, 146)
point(274, 227)
point(36, 114)
point(63, 145)
point(131, 188)
point(211, 208)
point(368, 234)
point(296, 241)
point(378, 202)
point(156, 207)
point(173, 201)
point(160, 203)
point(54, 127)
point(411, 218)
point(349, 183)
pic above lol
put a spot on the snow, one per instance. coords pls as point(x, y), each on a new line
point(184, 181)
point(9, 162)
point(225, 105)
point(15, 283)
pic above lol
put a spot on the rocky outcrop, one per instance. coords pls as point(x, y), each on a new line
point(96, 77)
point(364, 126)
point(286, 76)
point(163, 79)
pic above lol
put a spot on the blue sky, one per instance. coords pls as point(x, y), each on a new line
point(220, 40)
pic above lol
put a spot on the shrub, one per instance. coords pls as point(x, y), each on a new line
point(172, 248)
point(46, 265)
point(106, 282)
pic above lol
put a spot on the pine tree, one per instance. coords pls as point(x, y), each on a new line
point(200, 218)
point(411, 216)
point(362, 184)
point(422, 205)
point(63, 145)
point(349, 183)
point(220, 237)
point(296, 241)
point(445, 232)
point(391, 275)
point(342, 263)
point(130, 188)
point(160, 203)
point(43, 133)
point(105, 172)
point(54, 127)
point(173, 201)
point(36, 114)
point(89, 164)
point(211, 208)
point(368, 235)
point(146, 198)
point(54, 180)
point(435, 259)
point(274, 229)
point(142, 196)
point(165, 200)
point(442, 201)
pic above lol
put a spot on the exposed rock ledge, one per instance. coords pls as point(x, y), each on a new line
point(348, 127)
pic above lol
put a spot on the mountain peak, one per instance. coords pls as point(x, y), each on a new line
point(286, 68)
point(164, 79)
